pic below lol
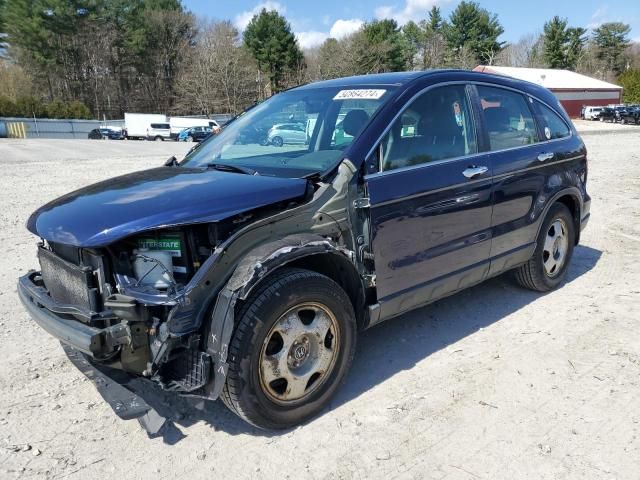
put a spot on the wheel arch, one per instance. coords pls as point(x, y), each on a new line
point(573, 204)
point(313, 252)
point(571, 198)
point(308, 252)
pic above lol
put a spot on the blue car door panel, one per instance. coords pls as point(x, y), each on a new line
point(431, 204)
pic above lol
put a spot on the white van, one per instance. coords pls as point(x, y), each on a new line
point(592, 113)
point(159, 131)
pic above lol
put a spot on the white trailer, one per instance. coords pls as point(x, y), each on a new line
point(178, 124)
point(137, 124)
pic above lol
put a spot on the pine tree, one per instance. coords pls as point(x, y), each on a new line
point(630, 81)
point(274, 46)
point(555, 40)
point(575, 45)
point(382, 48)
point(425, 40)
point(473, 32)
point(563, 45)
point(611, 40)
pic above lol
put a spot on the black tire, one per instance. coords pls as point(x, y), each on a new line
point(159, 139)
point(277, 141)
point(533, 275)
point(244, 392)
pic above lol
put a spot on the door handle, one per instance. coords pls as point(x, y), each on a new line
point(473, 171)
point(545, 156)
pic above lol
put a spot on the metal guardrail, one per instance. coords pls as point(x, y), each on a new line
point(13, 127)
point(48, 128)
point(15, 130)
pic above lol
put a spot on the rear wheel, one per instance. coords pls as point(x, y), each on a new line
point(292, 347)
point(159, 139)
point(548, 266)
point(277, 141)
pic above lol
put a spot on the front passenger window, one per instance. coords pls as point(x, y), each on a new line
point(508, 118)
point(436, 126)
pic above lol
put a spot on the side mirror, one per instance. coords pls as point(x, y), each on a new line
point(171, 162)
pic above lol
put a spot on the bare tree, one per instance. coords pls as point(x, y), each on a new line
point(219, 75)
point(526, 52)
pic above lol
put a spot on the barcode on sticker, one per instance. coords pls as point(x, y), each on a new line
point(360, 94)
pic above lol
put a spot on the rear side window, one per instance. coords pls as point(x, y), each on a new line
point(554, 126)
point(436, 126)
point(508, 118)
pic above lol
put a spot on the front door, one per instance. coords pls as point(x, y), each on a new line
point(430, 204)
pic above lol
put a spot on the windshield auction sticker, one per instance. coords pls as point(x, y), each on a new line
point(360, 94)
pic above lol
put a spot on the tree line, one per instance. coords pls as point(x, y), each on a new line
point(100, 58)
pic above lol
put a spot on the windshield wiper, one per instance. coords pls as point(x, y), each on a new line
point(225, 167)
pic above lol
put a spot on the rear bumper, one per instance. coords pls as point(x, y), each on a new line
point(92, 341)
point(584, 221)
point(586, 213)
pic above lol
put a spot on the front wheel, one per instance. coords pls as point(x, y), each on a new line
point(294, 342)
point(277, 141)
point(547, 267)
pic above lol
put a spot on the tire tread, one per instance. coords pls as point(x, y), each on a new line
point(245, 316)
point(530, 275)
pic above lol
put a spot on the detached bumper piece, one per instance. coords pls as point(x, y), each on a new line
point(99, 343)
point(110, 385)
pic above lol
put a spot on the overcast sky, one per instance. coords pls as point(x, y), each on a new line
point(315, 20)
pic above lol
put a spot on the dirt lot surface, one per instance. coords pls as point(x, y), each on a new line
point(493, 383)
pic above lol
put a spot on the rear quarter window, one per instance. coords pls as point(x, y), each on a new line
point(554, 126)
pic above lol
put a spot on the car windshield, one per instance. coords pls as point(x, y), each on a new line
point(293, 134)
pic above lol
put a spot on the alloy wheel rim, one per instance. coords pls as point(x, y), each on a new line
point(555, 248)
point(299, 353)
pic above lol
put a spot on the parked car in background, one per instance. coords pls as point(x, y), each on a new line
point(592, 113)
point(159, 132)
point(97, 134)
point(287, 134)
point(257, 135)
point(246, 272)
point(104, 133)
point(194, 134)
point(116, 133)
point(630, 114)
point(178, 124)
point(608, 114)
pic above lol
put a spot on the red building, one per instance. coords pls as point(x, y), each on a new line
point(572, 89)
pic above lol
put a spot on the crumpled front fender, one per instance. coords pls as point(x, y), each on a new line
point(254, 267)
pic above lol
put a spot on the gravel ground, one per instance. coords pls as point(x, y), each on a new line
point(493, 383)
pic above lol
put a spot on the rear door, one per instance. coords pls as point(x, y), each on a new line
point(525, 154)
point(430, 204)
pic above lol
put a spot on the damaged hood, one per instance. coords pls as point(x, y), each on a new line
point(108, 211)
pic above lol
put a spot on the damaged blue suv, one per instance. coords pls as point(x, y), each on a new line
point(246, 270)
